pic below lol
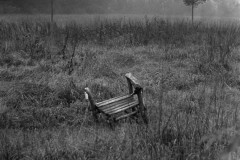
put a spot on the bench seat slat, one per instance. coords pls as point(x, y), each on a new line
point(112, 100)
point(117, 103)
point(115, 106)
point(122, 108)
point(126, 115)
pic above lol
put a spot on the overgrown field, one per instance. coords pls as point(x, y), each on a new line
point(190, 75)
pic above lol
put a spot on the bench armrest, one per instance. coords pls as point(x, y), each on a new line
point(132, 83)
point(90, 98)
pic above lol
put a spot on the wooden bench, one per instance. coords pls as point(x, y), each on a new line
point(130, 105)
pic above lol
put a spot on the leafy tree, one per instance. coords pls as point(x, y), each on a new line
point(193, 4)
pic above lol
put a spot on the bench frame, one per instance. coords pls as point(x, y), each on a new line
point(126, 105)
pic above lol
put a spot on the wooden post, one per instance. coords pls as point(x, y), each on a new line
point(142, 107)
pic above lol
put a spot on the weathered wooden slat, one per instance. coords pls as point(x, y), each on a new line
point(100, 104)
point(122, 108)
point(119, 107)
point(106, 101)
point(122, 101)
point(114, 106)
point(117, 103)
point(126, 115)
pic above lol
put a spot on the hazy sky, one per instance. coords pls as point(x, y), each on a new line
point(219, 8)
point(231, 7)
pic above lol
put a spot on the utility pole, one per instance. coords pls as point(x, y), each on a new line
point(52, 12)
point(192, 12)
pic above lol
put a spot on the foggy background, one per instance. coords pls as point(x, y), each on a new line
point(215, 8)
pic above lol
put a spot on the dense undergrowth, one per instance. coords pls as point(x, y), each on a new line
point(189, 74)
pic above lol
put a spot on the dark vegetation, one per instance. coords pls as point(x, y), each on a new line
point(189, 73)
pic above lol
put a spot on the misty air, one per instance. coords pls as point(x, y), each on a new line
point(120, 79)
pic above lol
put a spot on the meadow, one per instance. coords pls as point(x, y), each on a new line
point(190, 75)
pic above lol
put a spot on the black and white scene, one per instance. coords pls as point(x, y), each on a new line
point(119, 79)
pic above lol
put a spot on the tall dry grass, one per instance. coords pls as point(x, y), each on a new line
point(189, 74)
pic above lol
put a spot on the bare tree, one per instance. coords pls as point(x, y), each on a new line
point(193, 4)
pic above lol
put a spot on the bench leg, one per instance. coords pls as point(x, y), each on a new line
point(95, 115)
point(142, 116)
point(111, 121)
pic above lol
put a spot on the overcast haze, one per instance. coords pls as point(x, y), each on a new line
point(219, 8)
